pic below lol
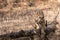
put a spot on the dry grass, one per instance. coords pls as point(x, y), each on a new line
point(16, 15)
point(14, 8)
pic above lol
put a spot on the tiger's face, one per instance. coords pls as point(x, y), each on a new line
point(38, 18)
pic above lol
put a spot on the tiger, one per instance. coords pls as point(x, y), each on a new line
point(40, 21)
